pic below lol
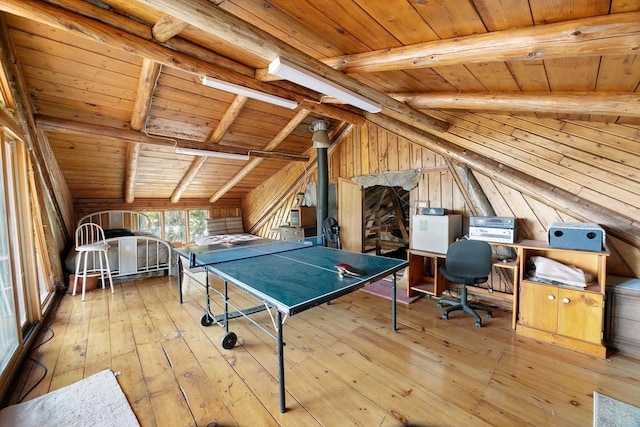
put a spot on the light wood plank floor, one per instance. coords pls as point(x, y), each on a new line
point(344, 366)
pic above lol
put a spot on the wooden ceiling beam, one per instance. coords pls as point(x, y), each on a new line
point(216, 136)
point(325, 110)
point(65, 20)
point(290, 127)
point(258, 43)
point(167, 27)
point(189, 176)
point(615, 34)
point(227, 120)
point(149, 73)
point(132, 137)
point(123, 23)
point(131, 170)
point(607, 104)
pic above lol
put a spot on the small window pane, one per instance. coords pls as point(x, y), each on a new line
point(175, 226)
point(155, 223)
point(197, 224)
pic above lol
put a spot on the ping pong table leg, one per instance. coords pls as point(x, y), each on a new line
point(393, 303)
point(180, 278)
point(226, 306)
point(207, 318)
point(280, 326)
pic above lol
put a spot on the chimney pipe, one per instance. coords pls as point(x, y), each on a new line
point(321, 142)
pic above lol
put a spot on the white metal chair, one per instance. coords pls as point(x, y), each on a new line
point(90, 242)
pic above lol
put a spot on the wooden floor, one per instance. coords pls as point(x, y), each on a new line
point(344, 366)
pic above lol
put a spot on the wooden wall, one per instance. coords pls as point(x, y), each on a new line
point(579, 171)
point(539, 170)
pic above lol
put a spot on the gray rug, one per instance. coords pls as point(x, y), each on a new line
point(97, 400)
point(609, 412)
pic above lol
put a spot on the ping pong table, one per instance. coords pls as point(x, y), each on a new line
point(286, 277)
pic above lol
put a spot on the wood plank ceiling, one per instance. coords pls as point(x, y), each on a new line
point(115, 85)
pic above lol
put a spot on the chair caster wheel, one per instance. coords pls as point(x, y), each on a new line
point(478, 324)
point(439, 304)
point(206, 320)
point(229, 340)
point(489, 315)
point(445, 316)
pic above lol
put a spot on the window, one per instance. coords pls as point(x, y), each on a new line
point(197, 223)
point(8, 316)
point(18, 304)
point(175, 226)
point(156, 222)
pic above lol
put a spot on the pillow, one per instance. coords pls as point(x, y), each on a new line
point(117, 232)
point(216, 226)
point(234, 225)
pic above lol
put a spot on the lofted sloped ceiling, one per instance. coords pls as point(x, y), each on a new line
point(114, 86)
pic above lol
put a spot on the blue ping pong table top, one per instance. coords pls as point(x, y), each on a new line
point(297, 276)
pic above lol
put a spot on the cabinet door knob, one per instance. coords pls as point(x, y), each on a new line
point(551, 297)
point(566, 300)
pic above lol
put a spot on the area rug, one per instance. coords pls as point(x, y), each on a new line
point(609, 412)
point(97, 400)
point(382, 288)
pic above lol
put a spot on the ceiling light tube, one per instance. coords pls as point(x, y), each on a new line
point(207, 153)
point(249, 93)
point(296, 74)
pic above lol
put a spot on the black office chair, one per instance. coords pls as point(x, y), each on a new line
point(468, 262)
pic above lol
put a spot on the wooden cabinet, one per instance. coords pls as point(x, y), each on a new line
point(623, 315)
point(565, 316)
point(568, 312)
point(297, 233)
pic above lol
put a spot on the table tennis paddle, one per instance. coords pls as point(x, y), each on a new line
point(344, 268)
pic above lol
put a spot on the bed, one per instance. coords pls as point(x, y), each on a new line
point(134, 252)
point(225, 230)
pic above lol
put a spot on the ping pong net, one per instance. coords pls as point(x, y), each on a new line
point(218, 256)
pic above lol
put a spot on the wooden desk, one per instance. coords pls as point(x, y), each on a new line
point(568, 317)
point(423, 273)
point(424, 277)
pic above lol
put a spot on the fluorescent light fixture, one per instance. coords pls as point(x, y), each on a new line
point(249, 93)
point(296, 74)
point(207, 153)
